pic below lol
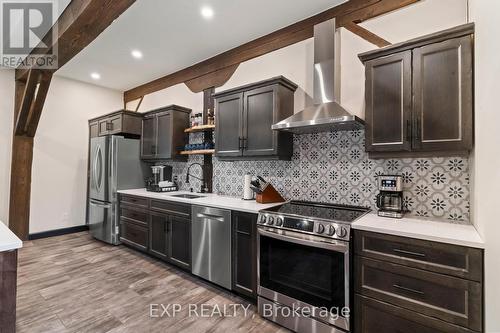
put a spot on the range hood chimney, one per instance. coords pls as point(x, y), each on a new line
point(326, 114)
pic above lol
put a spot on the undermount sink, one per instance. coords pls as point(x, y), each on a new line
point(188, 196)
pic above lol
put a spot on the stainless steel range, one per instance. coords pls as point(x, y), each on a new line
point(304, 259)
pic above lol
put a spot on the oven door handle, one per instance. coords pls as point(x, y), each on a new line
point(307, 240)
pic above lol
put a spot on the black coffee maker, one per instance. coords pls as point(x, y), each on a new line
point(390, 198)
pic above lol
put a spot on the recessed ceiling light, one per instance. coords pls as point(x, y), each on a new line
point(95, 76)
point(136, 54)
point(207, 12)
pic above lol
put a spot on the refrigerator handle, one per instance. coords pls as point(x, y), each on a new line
point(94, 169)
point(99, 204)
point(98, 160)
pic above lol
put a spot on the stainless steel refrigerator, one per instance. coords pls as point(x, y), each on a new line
point(114, 165)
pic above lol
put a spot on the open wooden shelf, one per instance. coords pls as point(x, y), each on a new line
point(202, 128)
point(198, 152)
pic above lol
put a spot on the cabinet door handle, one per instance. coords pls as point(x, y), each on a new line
point(408, 130)
point(418, 292)
point(240, 140)
point(245, 143)
point(416, 254)
point(419, 130)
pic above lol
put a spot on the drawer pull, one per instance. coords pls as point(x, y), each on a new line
point(418, 292)
point(416, 254)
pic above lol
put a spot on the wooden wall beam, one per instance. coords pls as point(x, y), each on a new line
point(20, 174)
point(366, 34)
point(354, 10)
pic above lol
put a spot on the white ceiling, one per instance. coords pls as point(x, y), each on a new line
point(173, 35)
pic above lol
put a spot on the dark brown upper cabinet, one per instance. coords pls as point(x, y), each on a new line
point(443, 90)
point(388, 103)
point(419, 94)
point(119, 122)
point(244, 117)
point(163, 133)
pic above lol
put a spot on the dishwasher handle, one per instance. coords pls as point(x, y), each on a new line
point(210, 217)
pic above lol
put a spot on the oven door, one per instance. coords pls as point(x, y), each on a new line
point(305, 271)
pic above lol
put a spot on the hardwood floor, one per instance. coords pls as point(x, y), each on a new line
point(73, 283)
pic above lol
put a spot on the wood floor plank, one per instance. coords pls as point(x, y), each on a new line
point(73, 283)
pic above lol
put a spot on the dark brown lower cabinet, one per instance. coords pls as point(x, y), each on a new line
point(409, 285)
point(170, 238)
point(161, 228)
point(372, 316)
point(158, 235)
point(179, 236)
point(134, 235)
point(8, 291)
point(245, 253)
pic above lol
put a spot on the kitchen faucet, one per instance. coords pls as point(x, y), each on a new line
point(203, 187)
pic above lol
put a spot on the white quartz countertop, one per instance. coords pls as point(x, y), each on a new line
point(208, 199)
point(8, 241)
point(443, 232)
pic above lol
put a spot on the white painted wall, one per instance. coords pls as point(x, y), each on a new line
point(6, 125)
point(59, 186)
point(486, 157)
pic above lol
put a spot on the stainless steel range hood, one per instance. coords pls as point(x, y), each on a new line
point(326, 114)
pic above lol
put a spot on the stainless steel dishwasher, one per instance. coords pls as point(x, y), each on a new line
point(211, 245)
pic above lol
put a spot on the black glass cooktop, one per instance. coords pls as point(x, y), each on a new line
point(314, 210)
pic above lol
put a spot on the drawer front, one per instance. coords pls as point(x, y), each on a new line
point(451, 299)
point(135, 215)
point(376, 317)
point(135, 201)
point(448, 259)
point(134, 235)
point(173, 208)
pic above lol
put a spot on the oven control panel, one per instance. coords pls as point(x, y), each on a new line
point(318, 228)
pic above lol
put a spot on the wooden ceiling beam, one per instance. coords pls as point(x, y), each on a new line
point(366, 34)
point(354, 10)
point(281, 38)
point(214, 79)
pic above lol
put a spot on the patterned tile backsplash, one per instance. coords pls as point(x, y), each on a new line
point(334, 167)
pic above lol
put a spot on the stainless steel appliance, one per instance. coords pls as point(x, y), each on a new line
point(390, 198)
point(304, 260)
point(114, 165)
point(326, 114)
point(211, 245)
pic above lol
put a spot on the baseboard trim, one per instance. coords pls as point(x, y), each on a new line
point(58, 232)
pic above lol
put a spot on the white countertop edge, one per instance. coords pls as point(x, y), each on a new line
point(8, 240)
point(208, 200)
point(436, 231)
